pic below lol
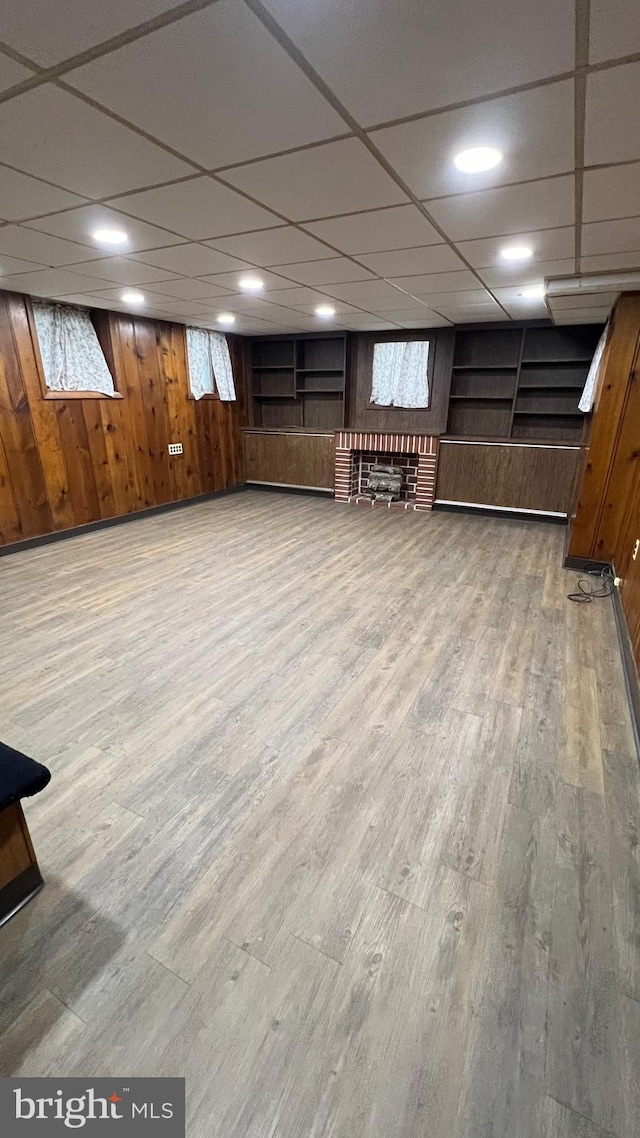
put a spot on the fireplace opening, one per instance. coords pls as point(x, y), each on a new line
point(367, 486)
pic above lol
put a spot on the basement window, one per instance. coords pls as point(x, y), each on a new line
point(400, 373)
point(73, 363)
point(210, 371)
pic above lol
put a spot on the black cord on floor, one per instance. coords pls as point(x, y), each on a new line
point(589, 590)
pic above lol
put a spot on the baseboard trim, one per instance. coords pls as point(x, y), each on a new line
point(499, 512)
point(584, 564)
point(119, 519)
point(290, 488)
point(17, 893)
point(631, 682)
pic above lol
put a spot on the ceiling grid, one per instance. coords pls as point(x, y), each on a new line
point(312, 146)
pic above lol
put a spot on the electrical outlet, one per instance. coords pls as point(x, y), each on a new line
point(175, 448)
point(636, 548)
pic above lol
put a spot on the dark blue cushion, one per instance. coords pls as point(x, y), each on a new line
point(20, 776)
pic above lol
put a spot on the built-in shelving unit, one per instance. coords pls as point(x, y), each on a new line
point(299, 381)
point(520, 383)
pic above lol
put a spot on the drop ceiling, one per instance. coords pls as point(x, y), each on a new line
point(312, 143)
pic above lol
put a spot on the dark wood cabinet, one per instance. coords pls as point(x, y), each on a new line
point(525, 477)
point(302, 459)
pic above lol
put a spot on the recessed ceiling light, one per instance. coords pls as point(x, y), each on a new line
point(132, 296)
point(110, 236)
point(534, 292)
point(516, 252)
point(477, 159)
point(251, 284)
point(226, 318)
point(325, 310)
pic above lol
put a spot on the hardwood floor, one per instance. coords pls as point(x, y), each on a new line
point(343, 826)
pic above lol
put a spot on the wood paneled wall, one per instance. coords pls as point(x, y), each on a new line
point(607, 521)
point(66, 462)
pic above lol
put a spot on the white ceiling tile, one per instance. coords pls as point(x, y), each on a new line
point(341, 307)
point(153, 300)
point(389, 60)
point(581, 316)
point(526, 309)
point(216, 87)
point(79, 224)
point(11, 266)
point(603, 262)
point(433, 320)
point(586, 300)
point(22, 196)
point(31, 245)
point(284, 245)
point(404, 262)
point(437, 282)
point(621, 236)
point(612, 131)
point(123, 270)
point(231, 281)
point(324, 272)
point(476, 314)
point(187, 288)
point(366, 293)
point(49, 33)
point(11, 72)
point(368, 324)
point(460, 311)
point(399, 227)
point(88, 301)
point(533, 129)
point(335, 178)
point(52, 134)
point(507, 209)
point(456, 299)
point(408, 311)
point(51, 282)
point(197, 209)
point(190, 260)
point(295, 296)
point(532, 273)
point(247, 306)
point(614, 29)
point(512, 295)
point(613, 191)
point(547, 245)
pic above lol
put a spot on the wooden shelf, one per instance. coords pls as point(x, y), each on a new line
point(320, 391)
point(281, 397)
point(485, 367)
point(557, 363)
point(551, 387)
point(532, 387)
point(555, 414)
point(261, 395)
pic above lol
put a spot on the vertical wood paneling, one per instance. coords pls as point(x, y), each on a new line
point(607, 521)
point(67, 462)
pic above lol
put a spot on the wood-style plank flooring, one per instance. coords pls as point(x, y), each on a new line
point(344, 824)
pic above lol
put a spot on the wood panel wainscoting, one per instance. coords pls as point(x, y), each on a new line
point(69, 462)
point(299, 459)
point(532, 478)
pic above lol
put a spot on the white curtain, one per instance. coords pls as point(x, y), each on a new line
point(400, 374)
point(209, 364)
point(71, 354)
point(591, 382)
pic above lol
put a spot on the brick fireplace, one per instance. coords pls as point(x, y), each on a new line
point(356, 451)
